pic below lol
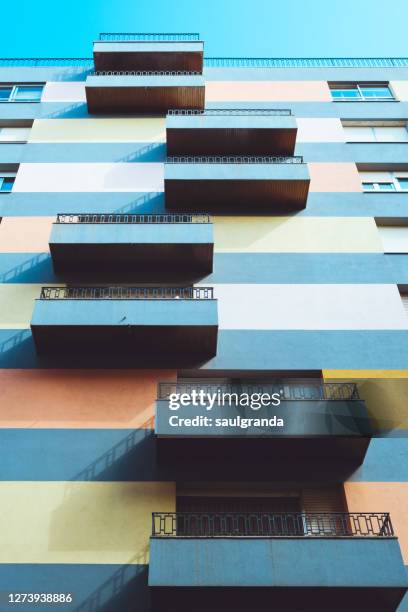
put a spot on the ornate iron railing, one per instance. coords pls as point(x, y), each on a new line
point(106, 218)
point(233, 159)
point(233, 62)
point(149, 36)
point(305, 390)
point(306, 62)
point(145, 73)
point(271, 524)
point(126, 293)
point(280, 112)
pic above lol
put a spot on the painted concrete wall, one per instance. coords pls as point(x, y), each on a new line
point(89, 177)
point(99, 130)
point(80, 522)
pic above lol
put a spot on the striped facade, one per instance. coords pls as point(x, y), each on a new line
point(316, 293)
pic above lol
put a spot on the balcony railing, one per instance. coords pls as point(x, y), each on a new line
point(306, 62)
point(106, 218)
point(288, 391)
point(271, 524)
point(145, 73)
point(275, 112)
point(230, 62)
point(126, 293)
point(151, 36)
point(233, 159)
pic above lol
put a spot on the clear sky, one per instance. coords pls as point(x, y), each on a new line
point(255, 28)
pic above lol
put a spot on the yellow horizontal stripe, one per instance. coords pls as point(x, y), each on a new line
point(98, 130)
point(296, 235)
point(80, 522)
point(16, 305)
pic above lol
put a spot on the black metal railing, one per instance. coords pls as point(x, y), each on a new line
point(126, 293)
point(271, 524)
point(279, 112)
point(106, 218)
point(288, 390)
point(234, 159)
point(149, 36)
point(145, 73)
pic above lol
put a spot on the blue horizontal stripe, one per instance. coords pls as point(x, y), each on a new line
point(386, 460)
point(104, 587)
point(265, 268)
point(249, 350)
point(327, 204)
point(113, 455)
point(350, 110)
point(368, 153)
point(84, 152)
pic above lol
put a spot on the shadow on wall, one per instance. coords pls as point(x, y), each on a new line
point(153, 152)
point(36, 269)
point(149, 203)
point(127, 589)
point(78, 109)
point(122, 461)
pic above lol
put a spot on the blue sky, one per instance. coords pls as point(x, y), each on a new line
point(256, 28)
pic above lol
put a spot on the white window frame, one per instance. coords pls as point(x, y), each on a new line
point(393, 180)
point(14, 91)
point(362, 98)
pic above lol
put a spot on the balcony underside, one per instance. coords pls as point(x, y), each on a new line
point(294, 574)
point(236, 196)
point(138, 262)
point(235, 141)
point(282, 599)
point(144, 95)
point(148, 331)
point(149, 56)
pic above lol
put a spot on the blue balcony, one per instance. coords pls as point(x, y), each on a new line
point(236, 184)
point(141, 92)
point(140, 247)
point(231, 132)
point(291, 562)
point(149, 52)
point(163, 325)
point(316, 430)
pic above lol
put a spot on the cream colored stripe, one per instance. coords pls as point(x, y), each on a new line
point(98, 130)
point(80, 522)
point(296, 235)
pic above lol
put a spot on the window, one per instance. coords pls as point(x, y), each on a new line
point(20, 93)
point(360, 92)
point(6, 183)
point(384, 181)
point(394, 238)
point(374, 131)
point(14, 134)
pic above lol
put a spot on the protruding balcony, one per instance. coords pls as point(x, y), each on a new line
point(149, 52)
point(143, 92)
point(143, 247)
point(236, 184)
point(303, 429)
point(265, 561)
point(159, 324)
point(233, 131)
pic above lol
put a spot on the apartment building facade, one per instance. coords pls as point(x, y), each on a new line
point(174, 224)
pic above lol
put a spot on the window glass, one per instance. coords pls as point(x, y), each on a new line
point(29, 93)
point(391, 134)
point(14, 134)
point(5, 93)
point(368, 186)
point(345, 93)
point(403, 182)
point(359, 134)
point(376, 92)
point(6, 183)
point(386, 186)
